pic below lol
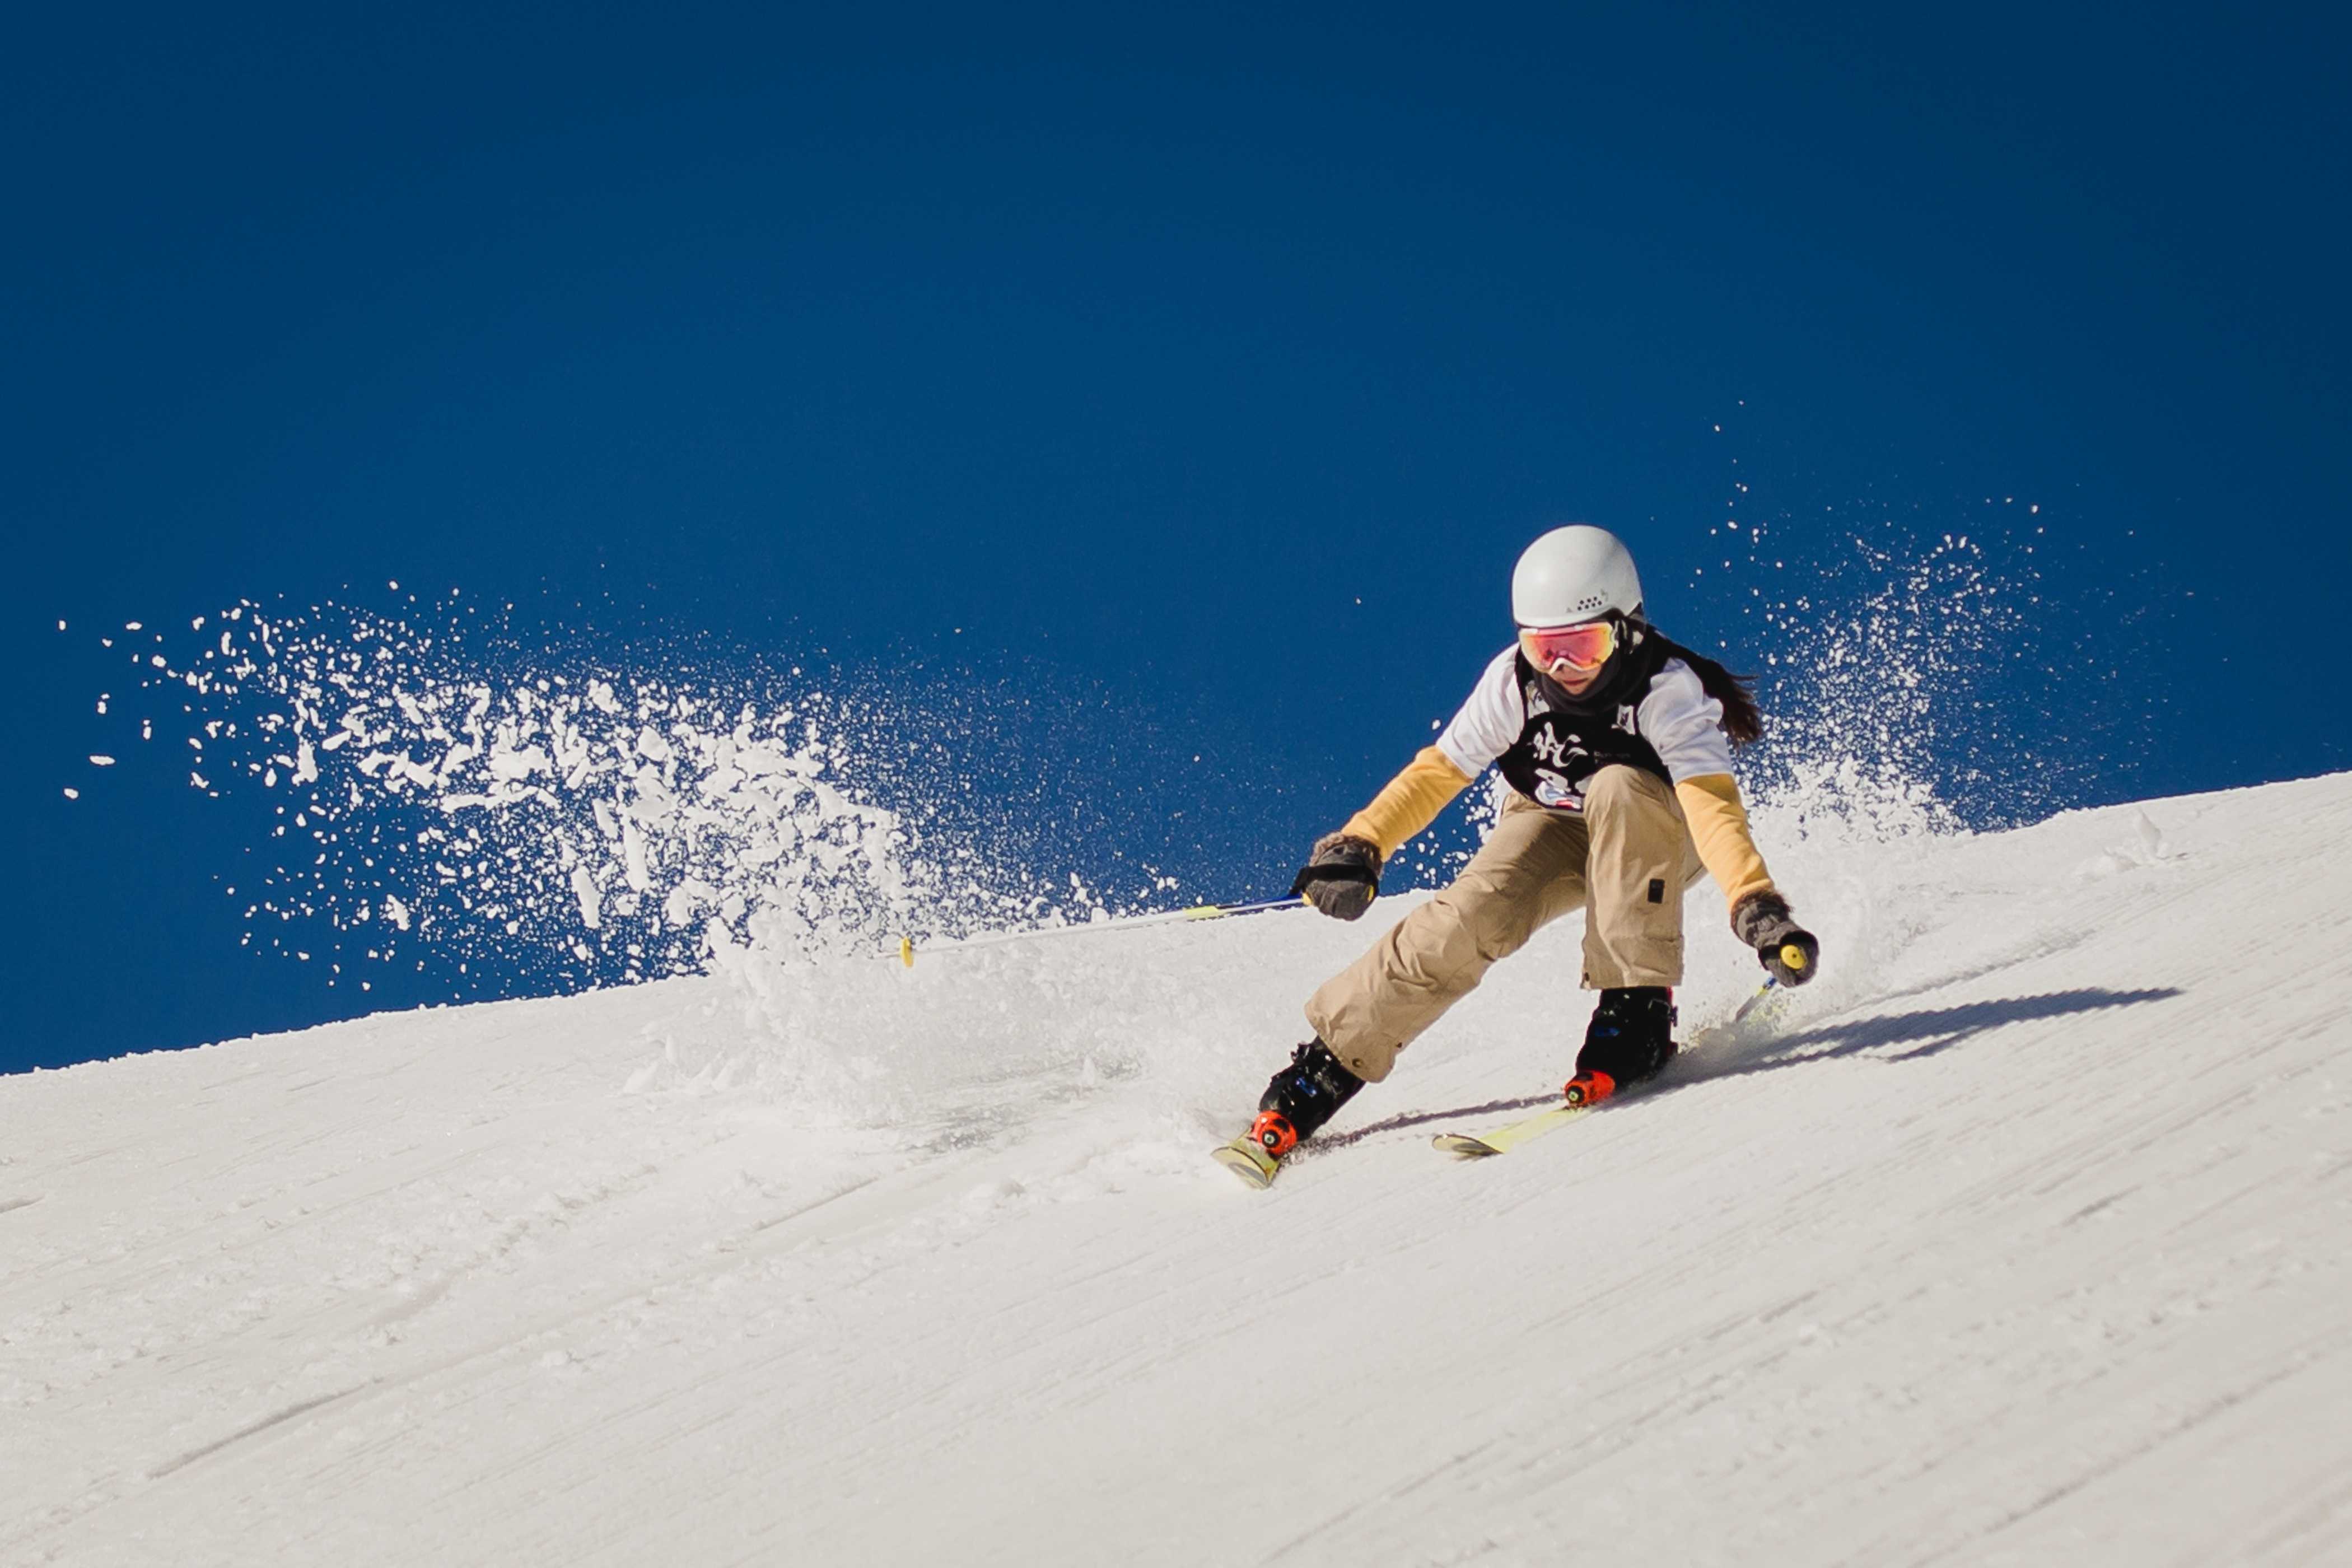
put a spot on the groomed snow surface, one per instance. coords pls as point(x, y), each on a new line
point(2023, 1236)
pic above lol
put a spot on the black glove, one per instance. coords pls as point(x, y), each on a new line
point(1763, 921)
point(1343, 877)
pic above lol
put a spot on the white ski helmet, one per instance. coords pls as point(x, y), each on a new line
point(1574, 573)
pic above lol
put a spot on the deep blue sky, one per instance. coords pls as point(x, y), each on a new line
point(1140, 345)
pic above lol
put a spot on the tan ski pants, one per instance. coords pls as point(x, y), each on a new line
point(1628, 859)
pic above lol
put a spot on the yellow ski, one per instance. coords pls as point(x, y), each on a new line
point(1503, 1140)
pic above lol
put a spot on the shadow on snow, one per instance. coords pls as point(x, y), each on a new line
point(1925, 1032)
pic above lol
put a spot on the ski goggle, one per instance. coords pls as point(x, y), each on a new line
point(1571, 650)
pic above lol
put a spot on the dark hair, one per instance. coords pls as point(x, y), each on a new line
point(1742, 720)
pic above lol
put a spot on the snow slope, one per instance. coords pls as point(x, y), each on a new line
point(2025, 1236)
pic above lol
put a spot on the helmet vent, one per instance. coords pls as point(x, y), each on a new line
point(1589, 602)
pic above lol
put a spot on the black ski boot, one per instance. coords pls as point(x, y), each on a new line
point(1301, 1098)
point(1629, 1040)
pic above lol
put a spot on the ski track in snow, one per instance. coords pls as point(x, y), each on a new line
point(2023, 1236)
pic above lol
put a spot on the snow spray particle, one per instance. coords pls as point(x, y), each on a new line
point(1921, 678)
point(1862, 669)
point(588, 824)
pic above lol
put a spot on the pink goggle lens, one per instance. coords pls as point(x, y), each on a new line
point(1575, 648)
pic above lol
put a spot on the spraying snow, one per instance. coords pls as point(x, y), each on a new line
point(445, 793)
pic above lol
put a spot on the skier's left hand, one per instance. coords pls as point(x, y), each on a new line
point(1791, 952)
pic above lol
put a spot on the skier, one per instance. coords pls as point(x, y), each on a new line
point(1616, 744)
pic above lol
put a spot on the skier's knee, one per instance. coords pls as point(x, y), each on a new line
point(1496, 919)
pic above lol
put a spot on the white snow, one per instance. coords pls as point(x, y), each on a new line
point(2023, 1236)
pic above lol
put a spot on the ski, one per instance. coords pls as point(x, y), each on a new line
point(1503, 1140)
point(1245, 1159)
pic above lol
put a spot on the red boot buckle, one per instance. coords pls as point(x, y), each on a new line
point(1273, 1132)
point(1590, 1087)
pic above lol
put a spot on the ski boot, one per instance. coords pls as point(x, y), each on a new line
point(1629, 1040)
point(1298, 1099)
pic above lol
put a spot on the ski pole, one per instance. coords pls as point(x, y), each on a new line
point(1790, 954)
point(1761, 992)
point(907, 949)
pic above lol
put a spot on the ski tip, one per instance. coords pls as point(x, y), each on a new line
point(1462, 1144)
point(1245, 1160)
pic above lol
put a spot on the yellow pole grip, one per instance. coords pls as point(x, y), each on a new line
point(1792, 955)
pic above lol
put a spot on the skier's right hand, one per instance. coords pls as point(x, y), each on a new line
point(1342, 877)
point(1764, 922)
